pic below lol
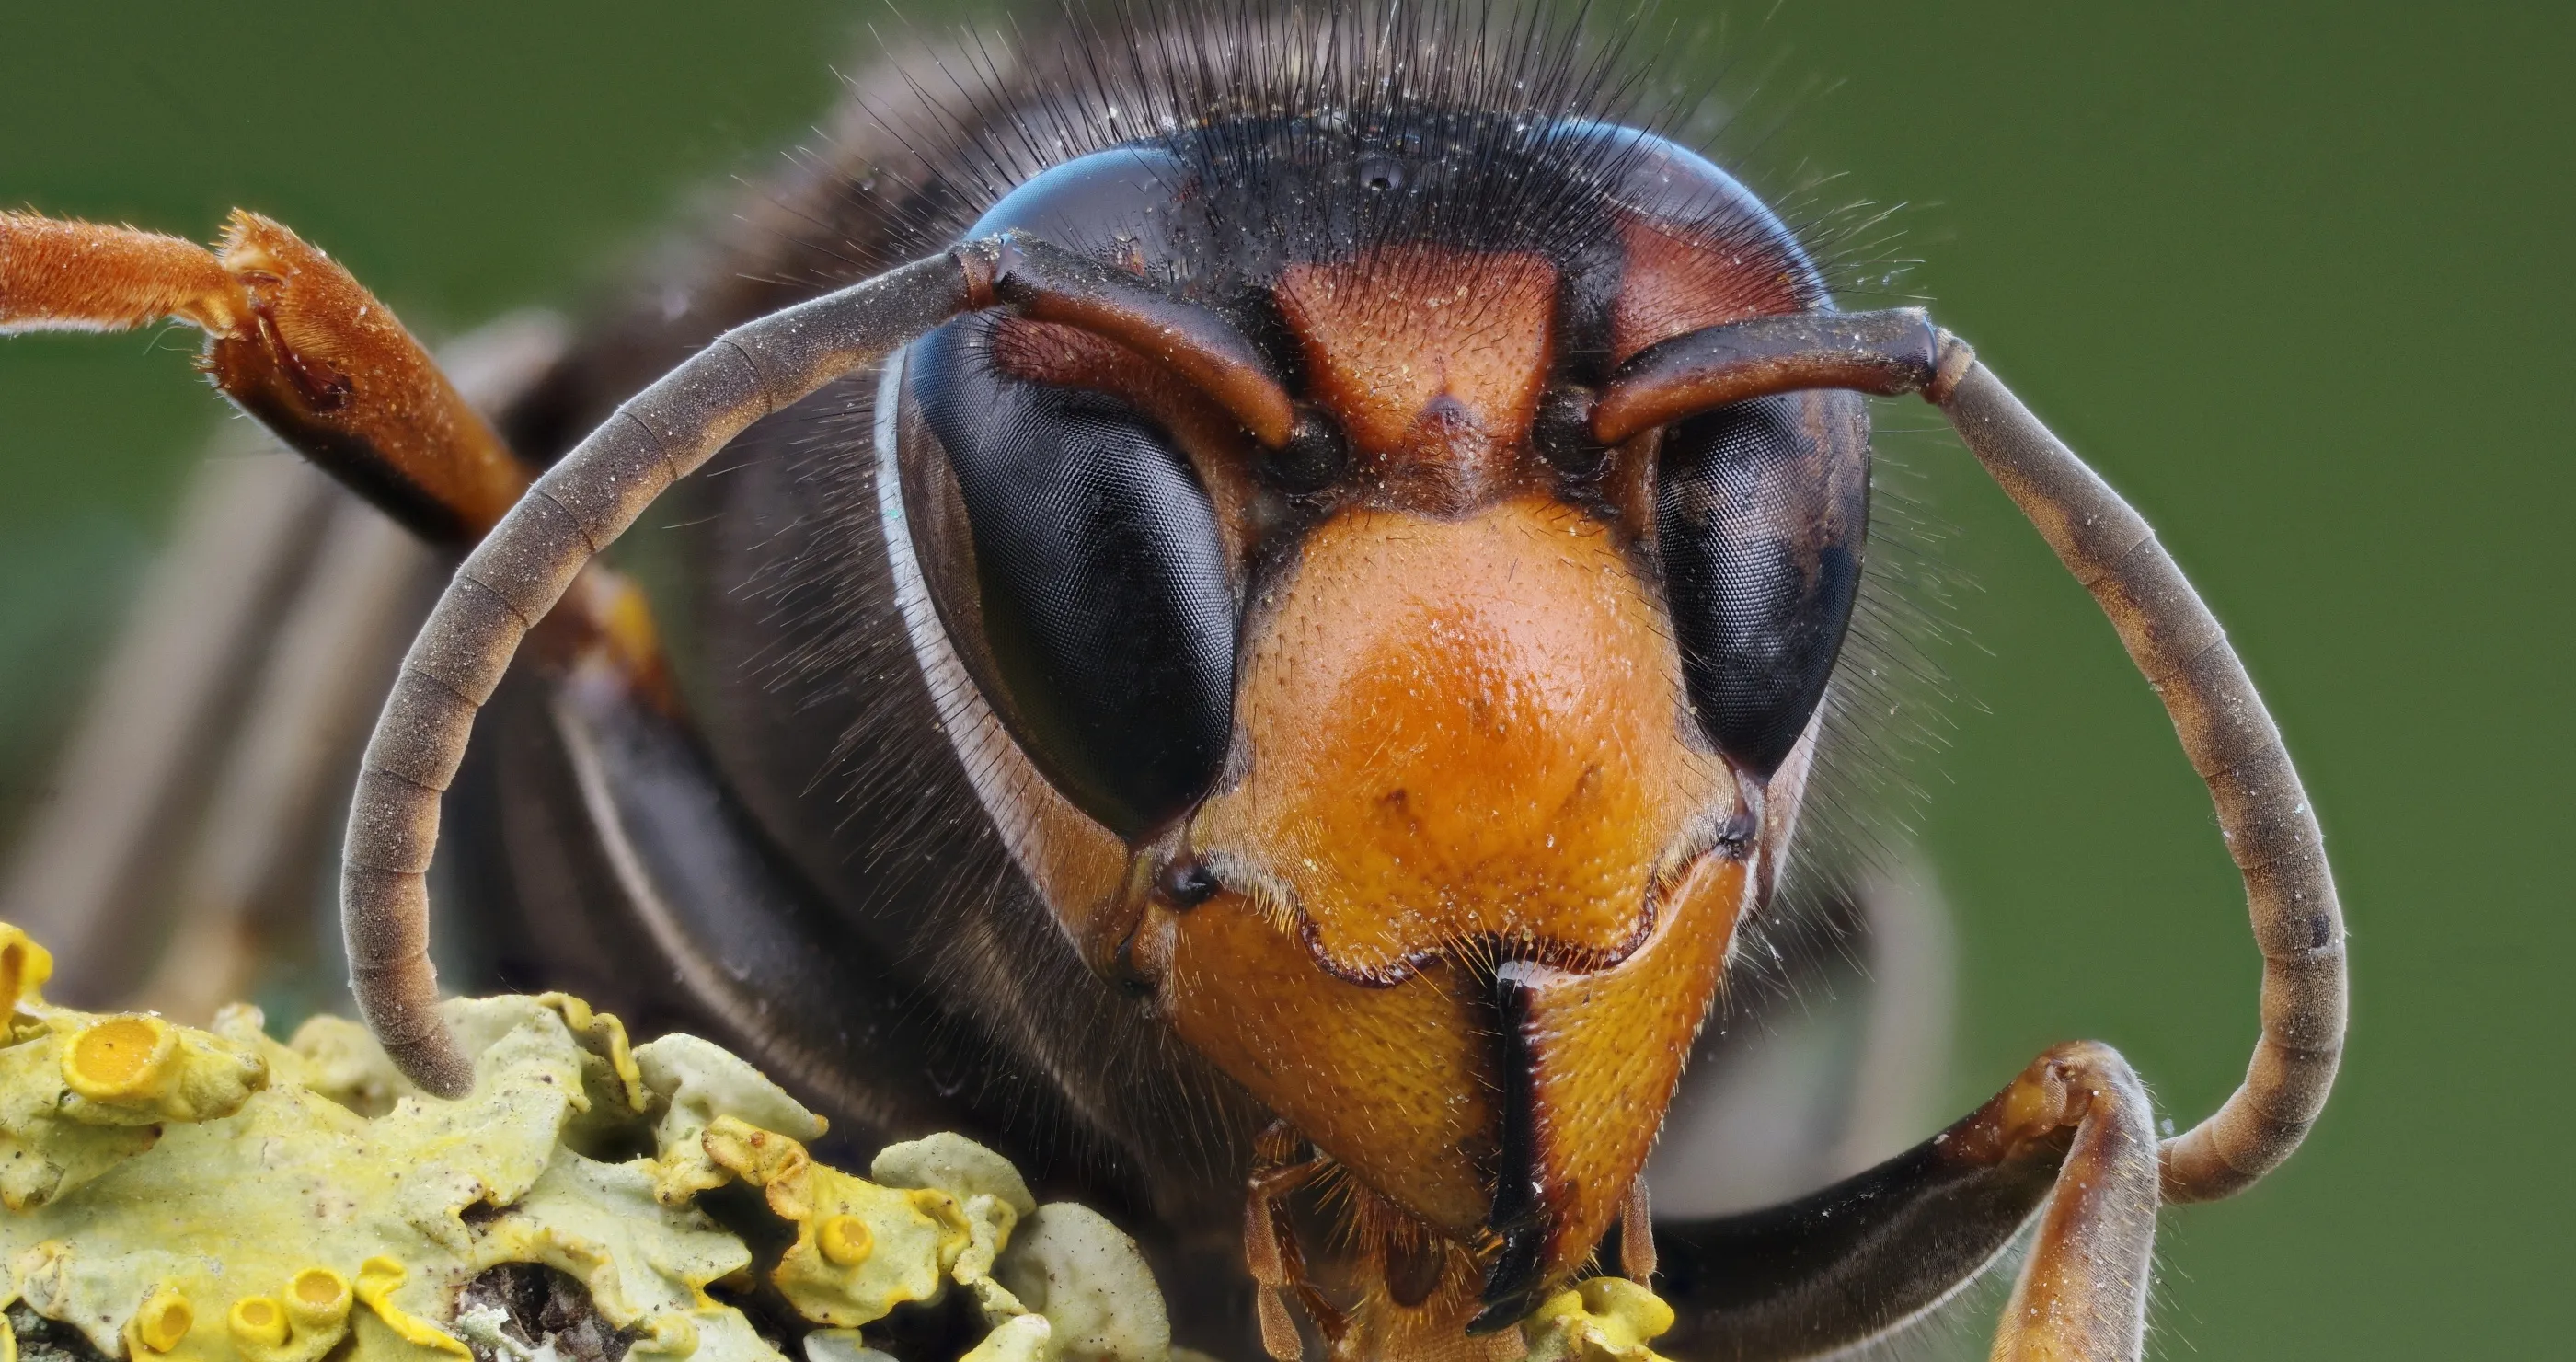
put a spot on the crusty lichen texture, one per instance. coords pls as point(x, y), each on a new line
point(1604, 1319)
point(210, 1195)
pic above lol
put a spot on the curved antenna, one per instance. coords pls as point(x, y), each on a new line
point(1051, 284)
point(1885, 353)
point(2263, 811)
point(590, 497)
point(525, 564)
point(2171, 636)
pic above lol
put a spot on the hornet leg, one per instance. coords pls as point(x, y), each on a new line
point(293, 339)
point(1864, 1257)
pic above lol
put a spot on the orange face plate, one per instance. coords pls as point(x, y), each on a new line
point(1461, 743)
point(1458, 733)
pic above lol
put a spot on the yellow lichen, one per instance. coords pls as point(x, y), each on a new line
point(80, 1094)
point(258, 1325)
point(377, 1279)
point(978, 1182)
point(1068, 1263)
point(300, 1324)
point(1603, 1319)
point(1022, 1338)
point(318, 1299)
point(334, 1057)
point(24, 968)
point(216, 1196)
point(914, 1236)
point(840, 1345)
point(134, 1069)
point(696, 1081)
point(668, 1335)
point(294, 1194)
point(603, 1038)
point(845, 1240)
point(120, 1058)
point(162, 1322)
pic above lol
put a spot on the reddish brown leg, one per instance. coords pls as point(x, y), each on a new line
point(292, 338)
point(304, 348)
point(1282, 1163)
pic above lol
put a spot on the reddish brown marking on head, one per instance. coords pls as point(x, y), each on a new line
point(1431, 358)
point(1070, 356)
point(1674, 284)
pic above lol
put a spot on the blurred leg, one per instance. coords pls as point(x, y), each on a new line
point(292, 338)
point(1270, 1248)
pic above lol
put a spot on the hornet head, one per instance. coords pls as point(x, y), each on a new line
point(1417, 767)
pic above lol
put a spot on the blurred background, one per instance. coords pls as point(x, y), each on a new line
point(2296, 280)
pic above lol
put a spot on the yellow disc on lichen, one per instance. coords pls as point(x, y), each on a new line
point(318, 1298)
point(846, 1240)
point(164, 1320)
point(257, 1321)
point(120, 1057)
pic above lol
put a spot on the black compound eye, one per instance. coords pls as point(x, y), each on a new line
point(1761, 517)
point(1106, 620)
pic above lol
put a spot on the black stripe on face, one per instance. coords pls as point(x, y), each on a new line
point(1513, 1281)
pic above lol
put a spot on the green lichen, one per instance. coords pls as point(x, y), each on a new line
point(213, 1195)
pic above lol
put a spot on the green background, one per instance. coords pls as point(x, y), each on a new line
point(2296, 281)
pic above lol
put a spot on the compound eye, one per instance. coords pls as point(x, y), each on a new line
point(1761, 519)
point(1103, 619)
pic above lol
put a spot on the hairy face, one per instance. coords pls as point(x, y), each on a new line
point(1420, 774)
